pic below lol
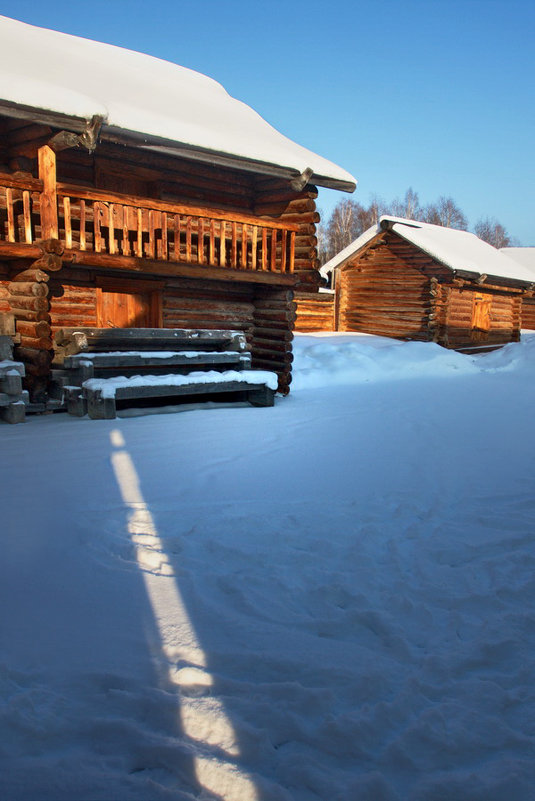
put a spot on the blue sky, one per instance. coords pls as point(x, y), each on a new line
point(437, 96)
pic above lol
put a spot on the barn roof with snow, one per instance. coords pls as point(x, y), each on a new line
point(165, 106)
point(524, 256)
point(460, 251)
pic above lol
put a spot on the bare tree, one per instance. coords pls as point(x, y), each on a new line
point(445, 212)
point(409, 207)
point(343, 226)
point(490, 230)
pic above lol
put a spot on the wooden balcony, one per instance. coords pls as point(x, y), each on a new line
point(96, 224)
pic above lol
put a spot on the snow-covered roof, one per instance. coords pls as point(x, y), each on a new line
point(460, 251)
point(524, 256)
point(167, 103)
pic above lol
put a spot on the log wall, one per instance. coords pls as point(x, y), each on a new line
point(504, 313)
point(393, 289)
point(315, 312)
point(73, 300)
point(528, 313)
point(381, 292)
point(4, 288)
point(265, 312)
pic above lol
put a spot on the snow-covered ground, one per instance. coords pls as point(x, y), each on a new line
point(329, 599)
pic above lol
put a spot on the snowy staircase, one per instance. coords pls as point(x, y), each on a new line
point(97, 369)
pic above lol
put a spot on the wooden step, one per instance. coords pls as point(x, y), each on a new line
point(100, 396)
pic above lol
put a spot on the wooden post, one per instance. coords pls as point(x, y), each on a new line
point(49, 202)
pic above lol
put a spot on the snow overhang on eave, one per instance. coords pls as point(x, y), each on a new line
point(487, 278)
point(116, 135)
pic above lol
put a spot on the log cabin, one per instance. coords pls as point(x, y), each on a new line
point(526, 257)
point(411, 280)
point(137, 193)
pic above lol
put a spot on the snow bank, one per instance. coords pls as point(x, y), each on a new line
point(327, 599)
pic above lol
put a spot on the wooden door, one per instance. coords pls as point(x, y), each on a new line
point(128, 306)
point(481, 320)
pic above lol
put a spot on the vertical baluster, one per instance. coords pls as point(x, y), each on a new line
point(283, 251)
point(27, 216)
point(177, 236)
point(126, 232)
point(111, 229)
point(82, 225)
point(234, 256)
point(139, 248)
point(200, 240)
point(273, 265)
point(67, 219)
point(151, 249)
point(222, 244)
point(254, 242)
point(211, 257)
point(96, 225)
point(10, 218)
point(188, 239)
point(165, 255)
point(292, 251)
point(264, 248)
point(244, 246)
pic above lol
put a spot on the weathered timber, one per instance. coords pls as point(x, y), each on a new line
point(26, 289)
point(31, 275)
point(40, 343)
point(48, 261)
point(99, 407)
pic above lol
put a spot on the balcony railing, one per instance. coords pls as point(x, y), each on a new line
point(110, 223)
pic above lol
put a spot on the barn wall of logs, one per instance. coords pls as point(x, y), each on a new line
point(528, 313)
point(315, 312)
point(47, 293)
point(503, 316)
point(265, 314)
point(394, 289)
point(4, 287)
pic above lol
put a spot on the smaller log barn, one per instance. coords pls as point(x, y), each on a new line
point(525, 257)
point(136, 193)
point(411, 280)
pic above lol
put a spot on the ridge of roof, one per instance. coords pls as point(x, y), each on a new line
point(460, 251)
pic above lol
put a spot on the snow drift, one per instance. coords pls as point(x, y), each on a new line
point(328, 599)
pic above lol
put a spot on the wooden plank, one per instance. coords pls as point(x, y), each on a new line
point(67, 219)
point(243, 261)
point(263, 261)
point(254, 243)
point(211, 251)
point(200, 240)
point(234, 246)
point(164, 247)
point(151, 247)
point(135, 265)
point(222, 243)
point(176, 232)
point(125, 245)
point(82, 225)
point(48, 198)
point(188, 239)
point(174, 208)
point(273, 261)
point(10, 216)
point(28, 237)
point(31, 184)
point(111, 229)
point(97, 233)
